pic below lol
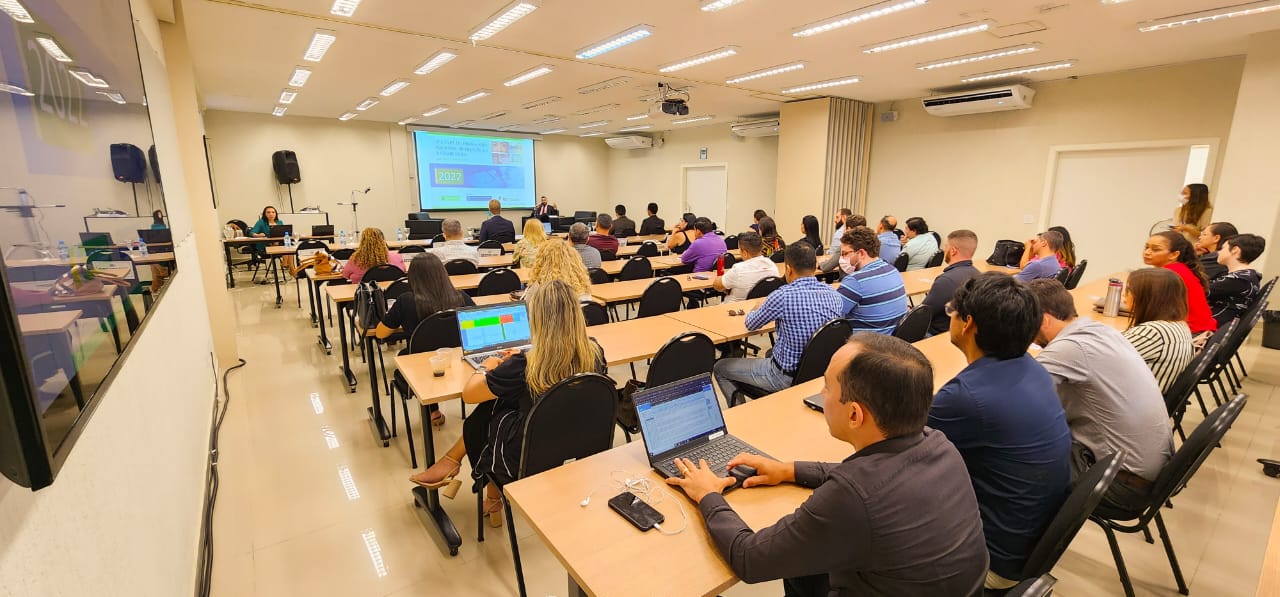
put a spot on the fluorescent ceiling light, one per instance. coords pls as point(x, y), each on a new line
point(592, 134)
point(591, 125)
point(492, 115)
point(88, 78)
point(300, 76)
point(551, 131)
point(600, 108)
point(1209, 16)
point(278, 111)
point(15, 89)
point(113, 96)
point(462, 123)
point(766, 72)
point(862, 14)
point(602, 85)
point(548, 119)
point(436, 60)
point(980, 56)
point(822, 85)
point(51, 46)
point(614, 42)
point(694, 119)
point(473, 96)
point(703, 58)
point(529, 75)
point(409, 120)
point(393, 87)
point(436, 110)
point(344, 8)
point(367, 103)
point(1022, 70)
point(347, 116)
point(16, 10)
point(716, 5)
point(932, 36)
point(320, 42)
point(502, 19)
point(637, 117)
point(541, 102)
point(640, 127)
point(287, 96)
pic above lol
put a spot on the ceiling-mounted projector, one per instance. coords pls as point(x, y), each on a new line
point(675, 107)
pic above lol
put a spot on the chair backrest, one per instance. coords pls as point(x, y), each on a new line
point(457, 267)
point(821, 347)
point(412, 249)
point(1076, 273)
point(438, 331)
point(1179, 392)
point(598, 276)
point(1063, 274)
point(489, 248)
point(729, 261)
point(936, 237)
point(385, 272)
point(571, 421)
point(1236, 338)
point(439, 238)
point(731, 242)
point(311, 244)
point(1073, 513)
point(650, 249)
point(765, 287)
point(397, 289)
point(607, 255)
point(595, 314)
point(934, 260)
point(902, 261)
point(1191, 454)
point(682, 357)
point(240, 224)
point(778, 257)
point(636, 268)
point(915, 324)
point(341, 254)
point(498, 281)
point(662, 296)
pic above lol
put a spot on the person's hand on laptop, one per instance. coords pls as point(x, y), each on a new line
point(698, 480)
point(499, 358)
point(768, 471)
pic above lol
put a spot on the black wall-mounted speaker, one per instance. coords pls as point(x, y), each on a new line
point(128, 163)
point(155, 164)
point(285, 164)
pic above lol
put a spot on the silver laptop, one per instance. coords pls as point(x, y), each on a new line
point(490, 329)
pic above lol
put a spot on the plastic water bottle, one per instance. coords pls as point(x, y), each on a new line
point(342, 236)
point(288, 240)
point(142, 247)
point(63, 252)
point(399, 234)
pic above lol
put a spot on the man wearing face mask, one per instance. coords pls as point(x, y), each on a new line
point(958, 253)
point(744, 274)
point(873, 293)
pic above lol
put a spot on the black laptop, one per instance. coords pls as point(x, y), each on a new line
point(322, 230)
point(157, 236)
point(279, 230)
point(95, 239)
point(814, 402)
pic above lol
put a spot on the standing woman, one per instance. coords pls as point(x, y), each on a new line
point(371, 253)
point(809, 228)
point(770, 242)
point(1157, 302)
point(262, 229)
point(527, 248)
point(1173, 251)
point(558, 261)
point(1067, 256)
point(1194, 212)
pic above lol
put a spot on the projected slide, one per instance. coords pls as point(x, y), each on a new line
point(457, 171)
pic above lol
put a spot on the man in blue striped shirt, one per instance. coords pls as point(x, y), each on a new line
point(874, 297)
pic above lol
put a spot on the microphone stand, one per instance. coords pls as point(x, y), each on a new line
point(355, 216)
point(26, 209)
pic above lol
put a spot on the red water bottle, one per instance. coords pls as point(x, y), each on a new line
point(720, 265)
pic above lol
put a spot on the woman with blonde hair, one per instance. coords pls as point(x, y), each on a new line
point(558, 261)
point(526, 253)
point(505, 388)
point(371, 253)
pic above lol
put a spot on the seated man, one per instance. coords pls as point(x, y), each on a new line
point(1208, 245)
point(1003, 415)
point(743, 276)
point(799, 308)
point(873, 295)
point(1232, 293)
point(898, 517)
point(704, 248)
point(453, 246)
point(1110, 397)
point(1040, 259)
point(544, 210)
point(497, 228)
point(845, 221)
point(958, 255)
point(653, 224)
point(622, 225)
point(602, 239)
point(578, 235)
point(890, 240)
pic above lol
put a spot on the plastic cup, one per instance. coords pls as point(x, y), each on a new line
point(439, 364)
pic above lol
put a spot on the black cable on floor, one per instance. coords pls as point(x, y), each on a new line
point(204, 575)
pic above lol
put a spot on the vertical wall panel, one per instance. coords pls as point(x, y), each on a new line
point(847, 158)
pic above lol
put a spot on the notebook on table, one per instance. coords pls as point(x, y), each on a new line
point(490, 329)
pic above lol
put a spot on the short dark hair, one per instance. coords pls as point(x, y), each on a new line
point(856, 220)
point(801, 257)
point(604, 221)
point(1053, 238)
point(620, 209)
point(917, 225)
point(750, 242)
point(1223, 229)
point(1250, 245)
point(653, 208)
point(1053, 298)
point(862, 238)
point(759, 213)
point(1006, 312)
point(703, 225)
point(844, 211)
point(892, 379)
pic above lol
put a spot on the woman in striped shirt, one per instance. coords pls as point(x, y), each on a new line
point(1157, 302)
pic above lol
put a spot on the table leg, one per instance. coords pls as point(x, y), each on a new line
point(429, 499)
point(275, 270)
point(375, 409)
point(231, 278)
point(311, 300)
point(324, 334)
point(346, 357)
point(66, 360)
point(574, 589)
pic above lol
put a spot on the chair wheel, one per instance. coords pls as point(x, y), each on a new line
point(453, 551)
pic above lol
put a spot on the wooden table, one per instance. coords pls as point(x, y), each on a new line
point(52, 327)
point(659, 263)
point(471, 281)
point(1269, 582)
point(341, 295)
point(617, 292)
point(716, 321)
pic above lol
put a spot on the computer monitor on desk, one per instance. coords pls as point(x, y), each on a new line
point(95, 239)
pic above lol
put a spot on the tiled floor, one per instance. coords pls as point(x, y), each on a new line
point(310, 505)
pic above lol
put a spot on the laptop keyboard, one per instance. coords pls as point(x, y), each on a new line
point(476, 359)
point(717, 454)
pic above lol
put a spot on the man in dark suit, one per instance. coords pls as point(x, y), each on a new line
point(622, 225)
point(653, 224)
point(544, 210)
point(497, 227)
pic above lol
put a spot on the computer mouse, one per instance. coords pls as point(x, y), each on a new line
point(741, 473)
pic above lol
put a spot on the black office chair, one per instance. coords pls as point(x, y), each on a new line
point(306, 245)
point(594, 313)
point(934, 260)
point(648, 249)
point(822, 345)
point(636, 268)
point(499, 281)
point(1076, 273)
point(731, 242)
point(433, 333)
point(343, 254)
point(572, 421)
point(607, 255)
point(1215, 341)
point(458, 267)
point(490, 247)
point(915, 324)
point(1178, 396)
point(405, 250)
point(1221, 369)
point(765, 287)
point(1063, 275)
point(729, 261)
point(936, 237)
point(1171, 480)
point(778, 257)
point(1263, 295)
point(385, 272)
point(902, 261)
point(598, 276)
point(439, 238)
point(1040, 586)
point(682, 357)
point(662, 296)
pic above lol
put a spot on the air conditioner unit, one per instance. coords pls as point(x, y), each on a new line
point(757, 128)
point(998, 99)
point(630, 142)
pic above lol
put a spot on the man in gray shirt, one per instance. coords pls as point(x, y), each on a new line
point(578, 235)
point(454, 247)
point(1110, 396)
point(898, 517)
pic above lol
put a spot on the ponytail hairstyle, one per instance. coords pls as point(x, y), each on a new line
point(1186, 255)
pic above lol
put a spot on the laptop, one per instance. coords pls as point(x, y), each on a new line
point(490, 329)
point(546, 228)
point(279, 230)
point(156, 236)
point(322, 230)
point(95, 239)
point(814, 402)
point(683, 419)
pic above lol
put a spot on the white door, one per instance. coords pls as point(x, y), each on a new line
point(706, 192)
point(1110, 199)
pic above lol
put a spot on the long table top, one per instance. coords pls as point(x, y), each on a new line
point(49, 322)
point(1269, 582)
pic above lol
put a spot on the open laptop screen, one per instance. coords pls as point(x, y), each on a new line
point(492, 327)
point(679, 413)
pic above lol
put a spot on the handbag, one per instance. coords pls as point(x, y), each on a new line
point(1007, 253)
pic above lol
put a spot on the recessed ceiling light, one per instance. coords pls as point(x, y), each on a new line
point(87, 77)
point(1209, 16)
point(367, 103)
point(637, 117)
point(1022, 70)
point(980, 56)
point(393, 87)
point(51, 46)
point(15, 89)
point(503, 18)
point(278, 111)
point(600, 108)
point(113, 96)
point(548, 119)
point(409, 120)
point(766, 72)
point(639, 127)
point(529, 75)
point(862, 14)
point(932, 36)
point(591, 125)
point(436, 60)
point(300, 76)
point(606, 84)
point(287, 96)
point(462, 123)
point(694, 119)
point(473, 96)
point(344, 8)
point(347, 116)
point(541, 102)
point(551, 131)
point(435, 110)
point(614, 42)
point(320, 42)
point(822, 85)
point(703, 58)
point(492, 115)
point(592, 134)
point(16, 10)
point(715, 5)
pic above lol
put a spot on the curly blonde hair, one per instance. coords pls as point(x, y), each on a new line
point(559, 261)
point(372, 250)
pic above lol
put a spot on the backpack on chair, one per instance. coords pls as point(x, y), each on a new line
point(371, 305)
point(1008, 253)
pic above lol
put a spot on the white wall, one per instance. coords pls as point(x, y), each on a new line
point(986, 172)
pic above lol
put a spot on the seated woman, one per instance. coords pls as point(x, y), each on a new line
point(1066, 256)
point(506, 387)
point(527, 248)
point(1156, 299)
point(770, 241)
point(1173, 251)
point(160, 273)
point(1208, 244)
point(680, 239)
point(372, 252)
point(1232, 293)
point(262, 229)
point(558, 261)
point(809, 228)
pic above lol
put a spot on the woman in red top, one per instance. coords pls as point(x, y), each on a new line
point(1173, 251)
